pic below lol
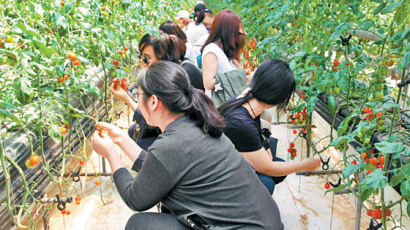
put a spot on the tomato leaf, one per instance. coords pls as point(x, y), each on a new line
point(343, 126)
point(389, 8)
point(351, 169)
point(371, 183)
point(24, 91)
point(311, 104)
point(387, 147)
point(27, 30)
point(379, 8)
point(405, 189)
point(44, 50)
point(397, 179)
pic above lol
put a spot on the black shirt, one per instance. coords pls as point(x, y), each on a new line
point(244, 131)
point(195, 75)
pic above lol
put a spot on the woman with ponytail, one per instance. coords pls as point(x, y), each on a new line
point(272, 85)
point(197, 29)
point(192, 168)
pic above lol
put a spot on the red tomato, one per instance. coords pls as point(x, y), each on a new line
point(124, 84)
point(34, 159)
point(369, 212)
point(387, 212)
point(381, 160)
point(76, 62)
point(327, 186)
point(72, 56)
point(373, 160)
point(377, 214)
point(116, 82)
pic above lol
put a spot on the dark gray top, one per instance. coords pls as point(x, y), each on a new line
point(196, 175)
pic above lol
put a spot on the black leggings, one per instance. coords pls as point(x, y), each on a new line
point(154, 221)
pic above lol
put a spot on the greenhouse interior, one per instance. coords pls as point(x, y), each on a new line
point(230, 114)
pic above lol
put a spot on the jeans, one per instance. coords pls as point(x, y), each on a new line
point(269, 181)
point(149, 221)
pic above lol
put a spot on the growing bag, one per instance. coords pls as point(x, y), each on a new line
point(228, 85)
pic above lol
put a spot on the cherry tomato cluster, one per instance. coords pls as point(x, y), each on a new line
point(302, 94)
point(62, 79)
point(252, 43)
point(248, 65)
point(368, 114)
point(122, 83)
point(99, 130)
point(73, 58)
point(33, 161)
point(299, 117)
point(377, 213)
point(377, 163)
point(65, 212)
point(292, 150)
point(123, 51)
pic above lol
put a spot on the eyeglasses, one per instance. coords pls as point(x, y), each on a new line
point(242, 34)
point(144, 59)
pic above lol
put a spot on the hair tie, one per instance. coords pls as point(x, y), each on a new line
point(189, 90)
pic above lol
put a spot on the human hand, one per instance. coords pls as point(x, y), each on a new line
point(311, 164)
point(118, 92)
point(114, 132)
point(103, 145)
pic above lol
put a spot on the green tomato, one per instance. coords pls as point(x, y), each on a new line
point(28, 164)
point(379, 95)
point(360, 135)
point(367, 140)
point(336, 90)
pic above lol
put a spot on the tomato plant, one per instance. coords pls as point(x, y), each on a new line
point(342, 53)
point(51, 52)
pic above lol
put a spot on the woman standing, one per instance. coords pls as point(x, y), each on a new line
point(198, 29)
point(272, 85)
point(192, 168)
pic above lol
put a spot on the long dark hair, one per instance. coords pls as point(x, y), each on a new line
point(273, 83)
point(170, 83)
point(225, 30)
point(199, 13)
point(170, 27)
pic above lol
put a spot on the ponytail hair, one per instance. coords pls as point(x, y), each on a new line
point(170, 83)
point(199, 13)
point(273, 83)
